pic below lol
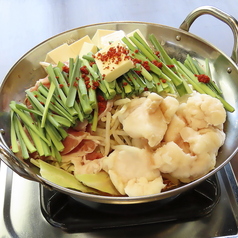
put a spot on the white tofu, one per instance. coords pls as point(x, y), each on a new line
point(140, 34)
point(61, 53)
point(110, 38)
point(98, 36)
point(111, 69)
point(77, 45)
point(86, 48)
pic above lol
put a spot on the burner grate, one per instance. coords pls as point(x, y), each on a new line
point(62, 211)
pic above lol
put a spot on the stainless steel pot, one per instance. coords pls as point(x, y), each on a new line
point(178, 43)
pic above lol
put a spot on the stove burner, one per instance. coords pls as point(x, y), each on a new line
point(62, 211)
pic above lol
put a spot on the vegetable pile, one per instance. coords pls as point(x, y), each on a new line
point(77, 91)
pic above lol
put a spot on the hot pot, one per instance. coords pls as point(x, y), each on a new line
point(178, 43)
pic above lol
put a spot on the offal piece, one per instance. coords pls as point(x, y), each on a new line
point(132, 172)
point(202, 110)
point(148, 117)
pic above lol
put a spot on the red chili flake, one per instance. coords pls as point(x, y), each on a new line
point(145, 64)
point(75, 84)
point(95, 84)
point(124, 83)
point(157, 53)
point(163, 80)
point(84, 70)
point(170, 66)
point(136, 51)
point(57, 77)
point(158, 83)
point(42, 103)
point(136, 61)
point(65, 69)
point(35, 96)
point(102, 106)
point(138, 72)
point(61, 85)
point(100, 98)
point(77, 78)
point(146, 89)
point(86, 78)
point(127, 57)
point(157, 64)
point(118, 61)
point(203, 78)
point(92, 63)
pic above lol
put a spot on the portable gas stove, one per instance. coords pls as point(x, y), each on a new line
point(30, 210)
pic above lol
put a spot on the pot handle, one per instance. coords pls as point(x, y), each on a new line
point(18, 166)
point(229, 20)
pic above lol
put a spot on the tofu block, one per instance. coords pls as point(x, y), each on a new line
point(61, 53)
point(110, 38)
point(113, 65)
point(77, 45)
point(86, 48)
point(139, 32)
point(98, 35)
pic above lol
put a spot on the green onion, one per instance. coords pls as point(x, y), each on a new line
point(48, 101)
point(37, 141)
point(144, 51)
point(25, 154)
point(38, 104)
point(129, 45)
point(23, 107)
point(95, 119)
point(55, 136)
point(26, 120)
point(14, 143)
point(73, 82)
point(163, 54)
point(90, 69)
point(54, 81)
point(31, 148)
